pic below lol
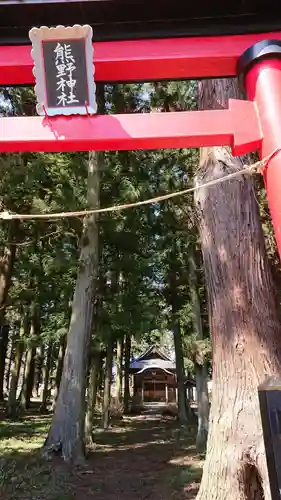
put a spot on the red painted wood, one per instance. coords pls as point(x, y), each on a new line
point(146, 59)
point(263, 84)
point(237, 127)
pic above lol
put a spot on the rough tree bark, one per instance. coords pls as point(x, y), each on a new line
point(127, 359)
point(68, 423)
point(244, 322)
point(201, 371)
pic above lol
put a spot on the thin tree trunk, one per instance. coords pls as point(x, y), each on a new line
point(173, 298)
point(127, 360)
point(107, 384)
point(115, 277)
point(101, 378)
point(92, 396)
point(102, 372)
point(29, 369)
point(201, 371)
point(6, 270)
point(119, 370)
point(59, 367)
point(68, 424)
point(19, 348)
point(12, 399)
point(46, 380)
point(182, 402)
point(4, 339)
point(203, 406)
point(10, 361)
point(39, 363)
point(28, 379)
point(246, 332)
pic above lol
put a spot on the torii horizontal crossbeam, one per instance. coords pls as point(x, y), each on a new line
point(237, 127)
point(146, 60)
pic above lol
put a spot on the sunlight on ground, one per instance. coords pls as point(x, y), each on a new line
point(135, 458)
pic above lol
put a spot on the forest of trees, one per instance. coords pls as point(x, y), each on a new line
point(78, 293)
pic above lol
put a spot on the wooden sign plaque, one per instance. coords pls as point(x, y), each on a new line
point(270, 409)
point(63, 70)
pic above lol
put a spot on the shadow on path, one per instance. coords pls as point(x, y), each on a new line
point(139, 458)
point(145, 458)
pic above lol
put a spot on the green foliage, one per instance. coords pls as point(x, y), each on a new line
point(146, 247)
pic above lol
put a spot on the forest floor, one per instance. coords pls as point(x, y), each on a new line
point(143, 457)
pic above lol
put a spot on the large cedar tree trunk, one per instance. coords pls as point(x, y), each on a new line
point(246, 332)
point(68, 424)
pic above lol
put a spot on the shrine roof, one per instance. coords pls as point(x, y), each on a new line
point(152, 364)
point(152, 353)
point(134, 19)
point(154, 357)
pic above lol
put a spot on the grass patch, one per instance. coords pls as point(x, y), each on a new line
point(23, 473)
point(31, 477)
point(136, 457)
point(188, 475)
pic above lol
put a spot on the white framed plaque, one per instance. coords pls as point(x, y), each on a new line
point(64, 70)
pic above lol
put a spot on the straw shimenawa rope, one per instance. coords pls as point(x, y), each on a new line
point(249, 169)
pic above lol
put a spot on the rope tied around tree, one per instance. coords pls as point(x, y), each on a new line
point(257, 167)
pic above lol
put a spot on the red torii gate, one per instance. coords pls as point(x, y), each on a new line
point(246, 126)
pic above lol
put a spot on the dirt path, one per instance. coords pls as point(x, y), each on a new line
point(142, 458)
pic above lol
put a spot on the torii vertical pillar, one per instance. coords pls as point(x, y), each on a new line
point(260, 68)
